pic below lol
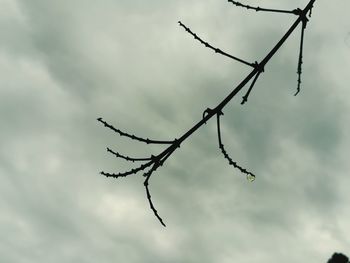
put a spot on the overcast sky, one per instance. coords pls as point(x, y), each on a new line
point(65, 63)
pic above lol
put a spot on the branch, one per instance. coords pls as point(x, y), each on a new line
point(131, 136)
point(158, 160)
point(149, 197)
point(130, 159)
point(216, 50)
point(250, 176)
point(300, 61)
point(263, 9)
point(245, 97)
point(124, 174)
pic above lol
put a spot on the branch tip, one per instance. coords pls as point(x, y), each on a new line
point(260, 8)
point(149, 197)
point(216, 50)
point(226, 156)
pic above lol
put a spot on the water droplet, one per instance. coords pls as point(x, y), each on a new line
point(250, 177)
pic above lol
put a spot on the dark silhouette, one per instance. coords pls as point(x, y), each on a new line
point(153, 162)
point(338, 258)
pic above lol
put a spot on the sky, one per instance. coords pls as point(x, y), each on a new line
point(66, 63)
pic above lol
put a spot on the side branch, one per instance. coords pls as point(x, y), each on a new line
point(216, 50)
point(125, 174)
point(131, 136)
point(127, 158)
point(157, 162)
point(250, 176)
point(300, 61)
point(149, 197)
point(263, 9)
point(245, 97)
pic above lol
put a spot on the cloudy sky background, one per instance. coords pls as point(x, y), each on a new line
point(65, 63)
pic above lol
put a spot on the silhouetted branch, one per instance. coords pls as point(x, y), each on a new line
point(245, 97)
point(130, 159)
point(216, 50)
point(262, 9)
point(156, 161)
point(124, 174)
point(149, 197)
point(131, 136)
point(250, 176)
point(300, 61)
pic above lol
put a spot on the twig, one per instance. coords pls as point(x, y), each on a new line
point(262, 9)
point(130, 159)
point(124, 174)
point(131, 136)
point(245, 97)
point(300, 61)
point(216, 50)
point(249, 175)
point(260, 70)
point(157, 162)
point(149, 197)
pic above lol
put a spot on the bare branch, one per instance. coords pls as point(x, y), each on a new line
point(262, 9)
point(216, 50)
point(300, 61)
point(149, 197)
point(130, 159)
point(245, 97)
point(124, 174)
point(131, 136)
point(249, 175)
point(156, 161)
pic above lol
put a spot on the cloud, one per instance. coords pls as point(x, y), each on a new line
point(64, 64)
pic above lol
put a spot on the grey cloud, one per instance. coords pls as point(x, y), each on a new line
point(66, 63)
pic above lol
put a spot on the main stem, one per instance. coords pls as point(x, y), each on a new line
point(229, 97)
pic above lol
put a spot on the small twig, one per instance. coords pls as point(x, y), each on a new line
point(260, 70)
point(249, 175)
point(310, 12)
point(130, 159)
point(262, 9)
point(300, 61)
point(216, 50)
point(132, 171)
point(149, 197)
point(157, 163)
point(245, 97)
point(131, 136)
